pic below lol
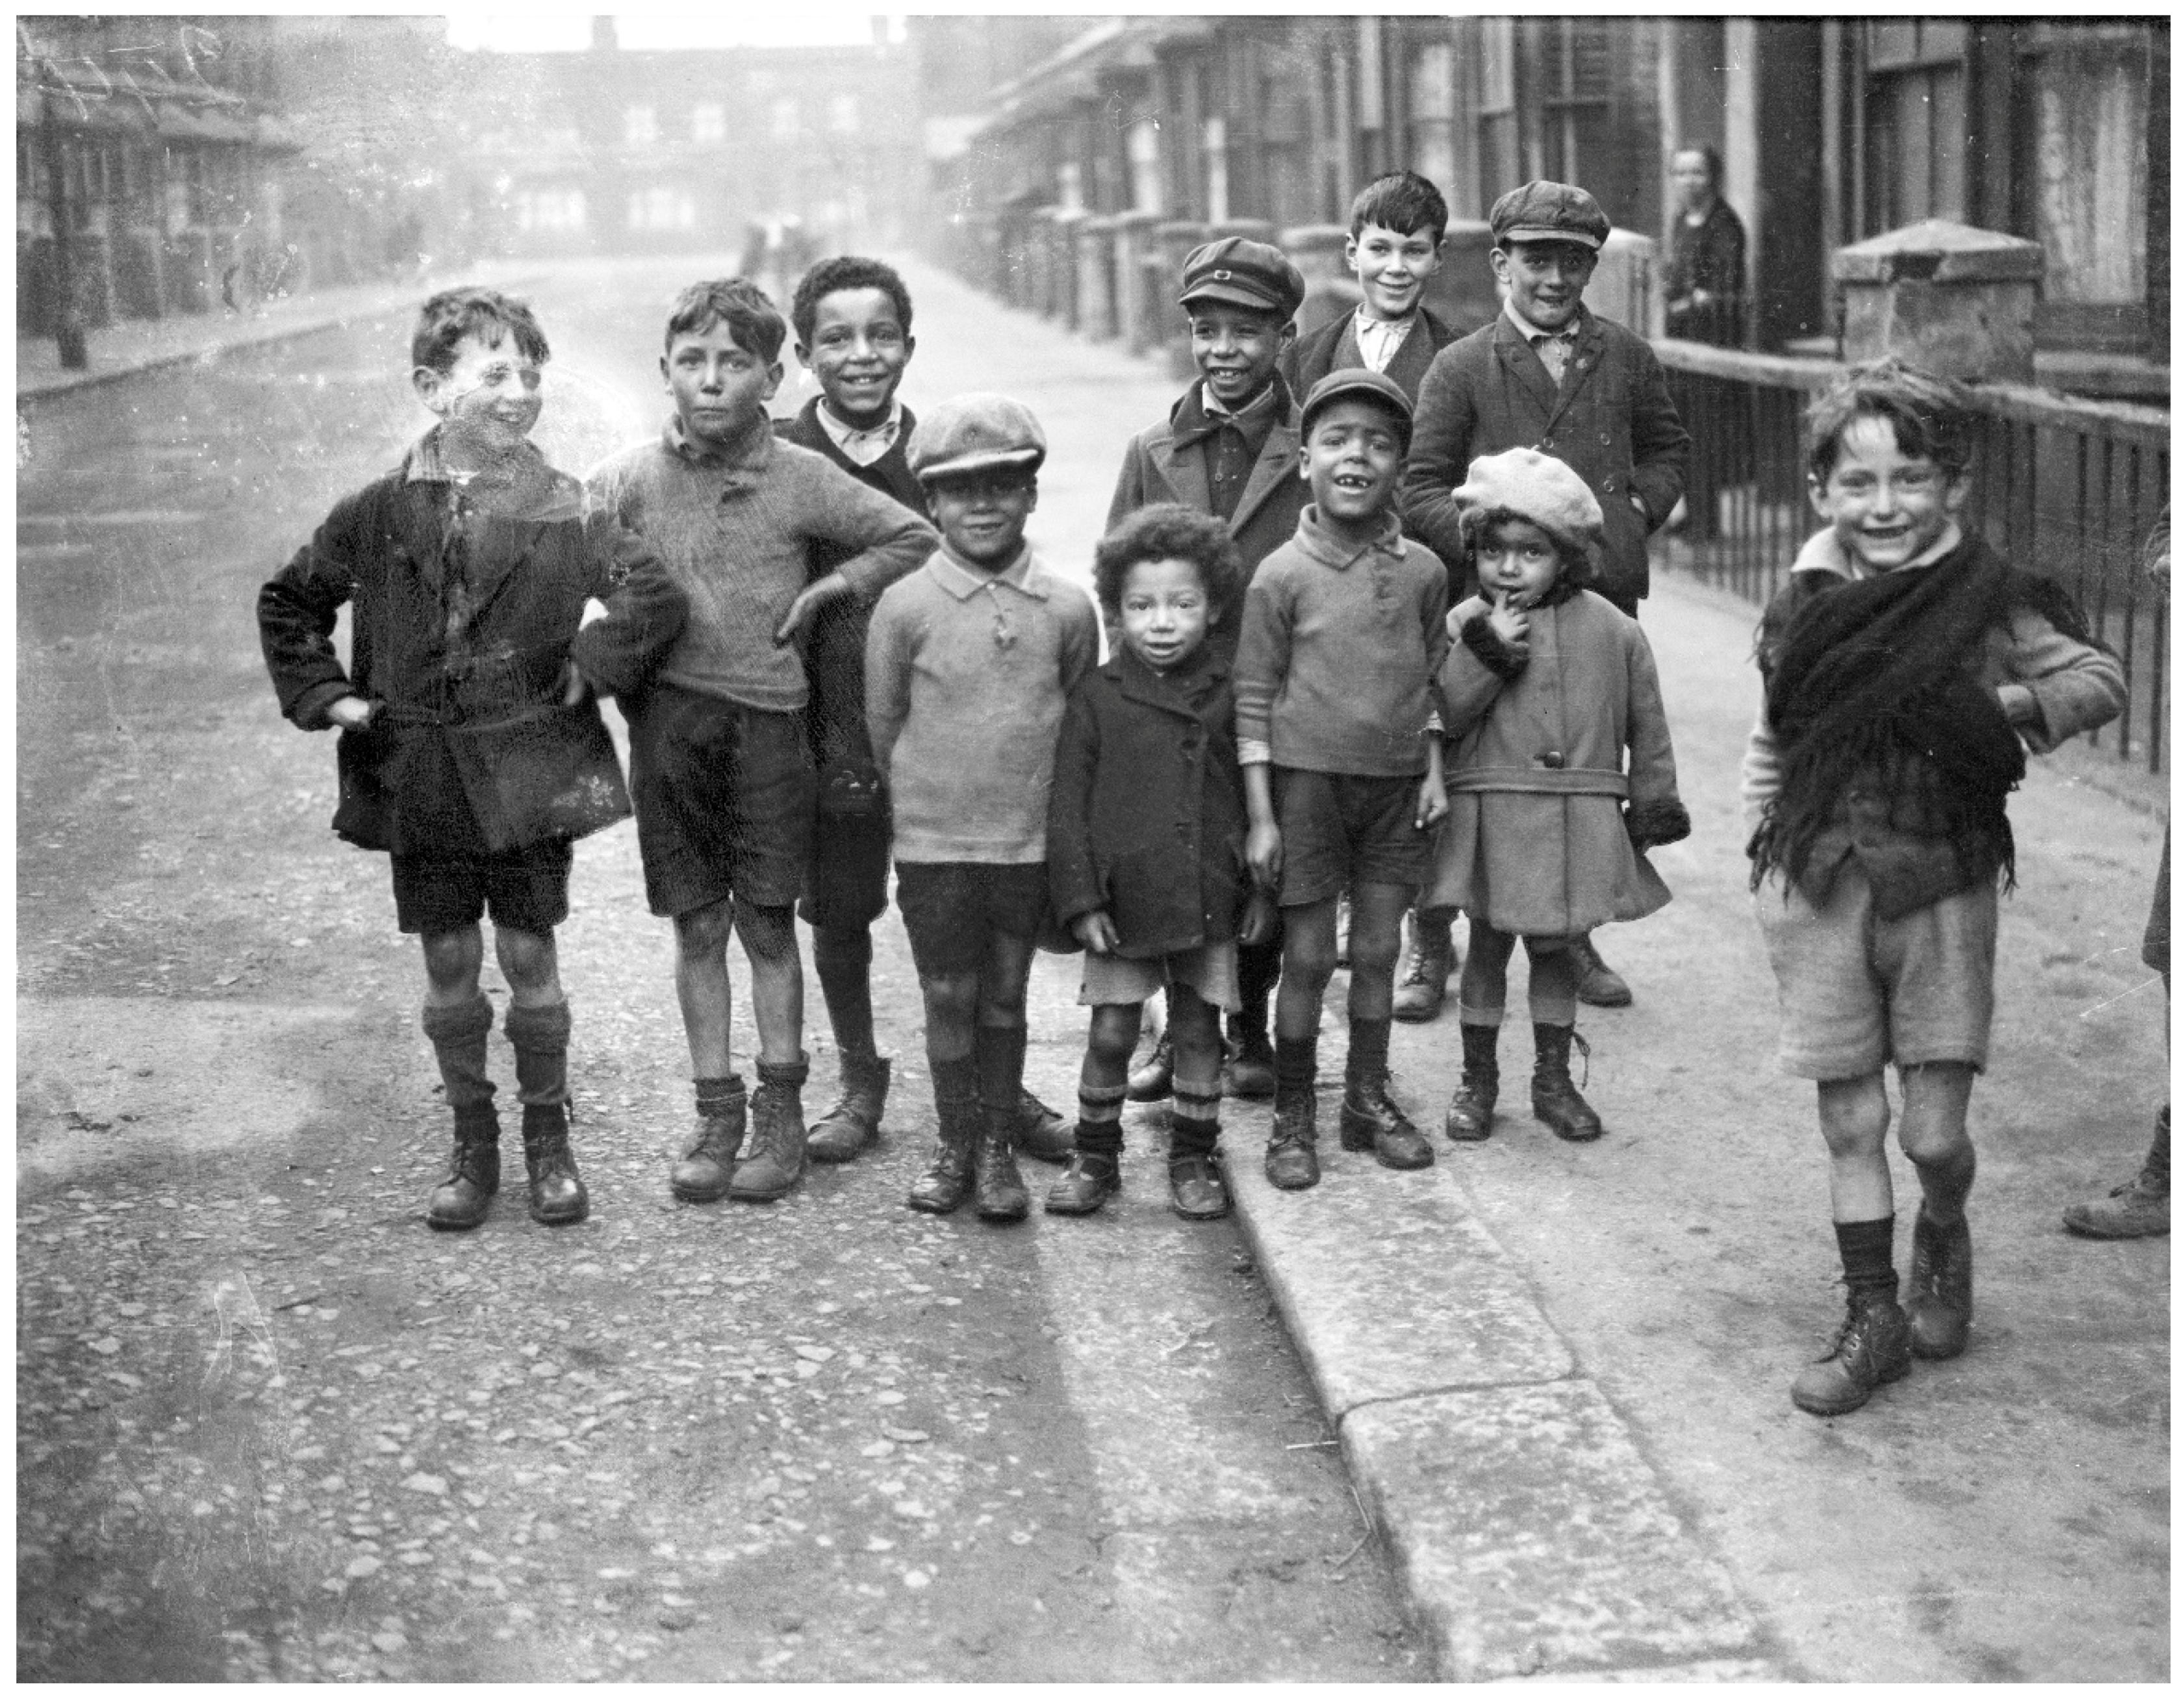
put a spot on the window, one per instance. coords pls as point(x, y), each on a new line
point(1432, 113)
point(1145, 166)
point(709, 122)
point(549, 209)
point(842, 114)
point(1576, 102)
point(662, 209)
point(1500, 166)
point(640, 126)
point(1216, 131)
point(788, 121)
point(1915, 121)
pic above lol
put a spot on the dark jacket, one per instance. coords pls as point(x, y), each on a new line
point(834, 649)
point(1146, 818)
point(1611, 421)
point(1335, 346)
point(470, 749)
point(1153, 470)
point(1708, 256)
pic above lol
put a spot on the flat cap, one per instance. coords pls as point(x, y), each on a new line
point(1535, 487)
point(1357, 381)
point(974, 432)
point(1545, 212)
point(1243, 274)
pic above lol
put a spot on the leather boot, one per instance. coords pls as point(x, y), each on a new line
point(776, 1162)
point(1423, 984)
point(474, 1172)
point(1940, 1299)
point(1872, 1346)
point(1042, 1132)
point(1196, 1190)
point(1597, 984)
point(1000, 1195)
point(709, 1161)
point(1373, 1123)
point(947, 1183)
point(1556, 1101)
point(1471, 1112)
point(1292, 1150)
point(557, 1191)
point(1154, 1078)
point(1090, 1182)
point(2137, 1207)
point(852, 1123)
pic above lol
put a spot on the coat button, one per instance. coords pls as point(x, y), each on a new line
point(1550, 759)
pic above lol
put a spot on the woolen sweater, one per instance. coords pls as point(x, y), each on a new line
point(1340, 646)
point(966, 677)
point(735, 529)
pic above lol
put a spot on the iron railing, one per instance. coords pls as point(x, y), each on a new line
point(2062, 486)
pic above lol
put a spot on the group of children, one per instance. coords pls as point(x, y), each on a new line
point(1374, 645)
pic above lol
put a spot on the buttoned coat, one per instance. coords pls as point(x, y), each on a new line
point(1153, 470)
point(1146, 818)
point(1334, 346)
point(468, 727)
point(1535, 764)
point(1610, 419)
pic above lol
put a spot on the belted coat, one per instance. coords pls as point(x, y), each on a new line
point(1610, 419)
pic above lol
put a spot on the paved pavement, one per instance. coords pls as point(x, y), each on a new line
point(1559, 1375)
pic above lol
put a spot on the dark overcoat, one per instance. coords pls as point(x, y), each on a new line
point(1334, 346)
point(1155, 469)
point(470, 747)
point(1146, 818)
point(1610, 419)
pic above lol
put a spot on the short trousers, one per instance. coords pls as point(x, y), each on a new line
point(1208, 970)
point(950, 909)
point(526, 889)
point(1341, 830)
point(1858, 992)
point(724, 796)
point(845, 884)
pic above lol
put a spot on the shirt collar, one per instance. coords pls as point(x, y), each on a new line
point(1243, 417)
point(963, 584)
point(1824, 553)
point(850, 438)
point(1531, 332)
point(427, 462)
point(1323, 547)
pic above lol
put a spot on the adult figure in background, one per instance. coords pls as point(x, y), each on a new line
point(1705, 294)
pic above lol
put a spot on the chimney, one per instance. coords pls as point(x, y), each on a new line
point(603, 34)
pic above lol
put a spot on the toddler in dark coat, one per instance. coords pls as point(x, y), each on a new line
point(1144, 845)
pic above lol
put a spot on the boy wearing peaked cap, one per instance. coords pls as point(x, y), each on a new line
point(967, 667)
point(1228, 448)
point(1549, 374)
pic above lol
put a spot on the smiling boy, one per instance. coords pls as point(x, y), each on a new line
point(723, 779)
point(1907, 668)
point(1396, 226)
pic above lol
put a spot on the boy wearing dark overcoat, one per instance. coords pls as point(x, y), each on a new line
point(1398, 224)
point(466, 572)
point(1549, 374)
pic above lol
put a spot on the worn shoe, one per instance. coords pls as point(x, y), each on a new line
point(461, 1203)
point(702, 1175)
point(557, 1191)
point(1042, 1132)
point(1154, 1078)
point(946, 1184)
point(1248, 1070)
point(852, 1123)
point(1292, 1154)
point(1471, 1110)
point(1423, 987)
point(1872, 1346)
point(1940, 1306)
point(2137, 1207)
point(1597, 984)
point(1556, 1101)
point(776, 1164)
point(997, 1189)
point(1373, 1123)
point(1091, 1181)
point(1197, 1188)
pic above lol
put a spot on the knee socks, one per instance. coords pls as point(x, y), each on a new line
point(1296, 1064)
point(1368, 1050)
point(1192, 1137)
point(1001, 1060)
point(1551, 992)
point(1869, 1256)
point(720, 1096)
point(954, 1088)
point(540, 1036)
point(844, 961)
point(1100, 1118)
point(458, 1034)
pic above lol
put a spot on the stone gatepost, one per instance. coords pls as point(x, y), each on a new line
point(1134, 242)
point(1061, 266)
point(1095, 278)
point(1329, 290)
point(1951, 299)
point(1175, 239)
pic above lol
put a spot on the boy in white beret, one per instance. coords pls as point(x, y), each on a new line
point(968, 665)
point(1547, 836)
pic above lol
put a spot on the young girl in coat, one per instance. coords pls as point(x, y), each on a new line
point(1546, 687)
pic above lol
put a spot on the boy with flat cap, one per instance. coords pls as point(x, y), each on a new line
point(1228, 448)
point(1549, 374)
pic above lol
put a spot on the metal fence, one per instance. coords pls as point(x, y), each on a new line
point(2064, 488)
